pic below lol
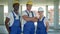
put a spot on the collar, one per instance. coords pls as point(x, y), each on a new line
point(15, 14)
point(28, 11)
point(41, 18)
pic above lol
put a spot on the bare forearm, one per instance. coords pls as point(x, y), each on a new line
point(7, 27)
point(47, 29)
point(26, 18)
point(35, 19)
point(29, 19)
point(6, 24)
point(47, 26)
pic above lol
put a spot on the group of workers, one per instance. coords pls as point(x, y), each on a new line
point(13, 22)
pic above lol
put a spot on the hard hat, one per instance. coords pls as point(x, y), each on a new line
point(29, 2)
point(40, 9)
point(15, 2)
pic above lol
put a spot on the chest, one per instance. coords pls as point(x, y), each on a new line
point(15, 16)
point(30, 14)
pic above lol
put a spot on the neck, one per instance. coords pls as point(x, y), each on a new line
point(28, 10)
point(16, 11)
point(40, 17)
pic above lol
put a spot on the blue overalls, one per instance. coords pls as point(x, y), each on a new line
point(16, 26)
point(41, 29)
point(29, 27)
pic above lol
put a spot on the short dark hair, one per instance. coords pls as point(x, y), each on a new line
point(15, 4)
point(28, 4)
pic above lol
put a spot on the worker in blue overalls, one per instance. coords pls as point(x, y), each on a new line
point(12, 22)
point(42, 24)
point(29, 18)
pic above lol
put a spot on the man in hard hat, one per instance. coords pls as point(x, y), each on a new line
point(29, 18)
point(12, 22)
point(42, 24)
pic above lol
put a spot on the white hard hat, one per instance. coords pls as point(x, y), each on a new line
point(40, 9)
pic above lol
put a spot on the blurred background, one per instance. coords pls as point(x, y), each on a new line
point(51, 11)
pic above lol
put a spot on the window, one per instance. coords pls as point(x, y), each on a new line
point(51, 15)
point(5, 11)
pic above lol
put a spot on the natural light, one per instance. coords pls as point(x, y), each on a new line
point(34, 8)
point(5, 9)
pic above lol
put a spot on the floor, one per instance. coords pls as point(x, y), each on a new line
point(51, 31)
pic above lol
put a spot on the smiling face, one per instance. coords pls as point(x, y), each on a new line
point(29, 7)
point(40, 13)
point(16, 6)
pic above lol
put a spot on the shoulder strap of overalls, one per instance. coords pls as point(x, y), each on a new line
point(19, 17)
point(32, 14)
point(27, 12)
point(13, 15)
point(43, 18)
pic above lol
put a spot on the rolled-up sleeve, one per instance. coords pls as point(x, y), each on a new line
point(24, 13)
point(9, 15)
point(46, 20)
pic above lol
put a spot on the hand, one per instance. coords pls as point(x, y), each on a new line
point(35, 19)
point(46, 30)
point(9, 31)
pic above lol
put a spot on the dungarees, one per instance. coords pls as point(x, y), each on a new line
point(41, 29)
point(29, 27)
point(16, 26)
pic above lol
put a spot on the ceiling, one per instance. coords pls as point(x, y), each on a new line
point(35, 2)
point(40, 2)
point(3, 2)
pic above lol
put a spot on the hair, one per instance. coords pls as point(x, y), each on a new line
point(27, 4)
point(15, 4)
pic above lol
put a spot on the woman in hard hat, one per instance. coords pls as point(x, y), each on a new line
point(42, 24)
point(29, 18)
point(12, 22)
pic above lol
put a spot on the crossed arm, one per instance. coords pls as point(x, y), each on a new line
point(34, 19)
